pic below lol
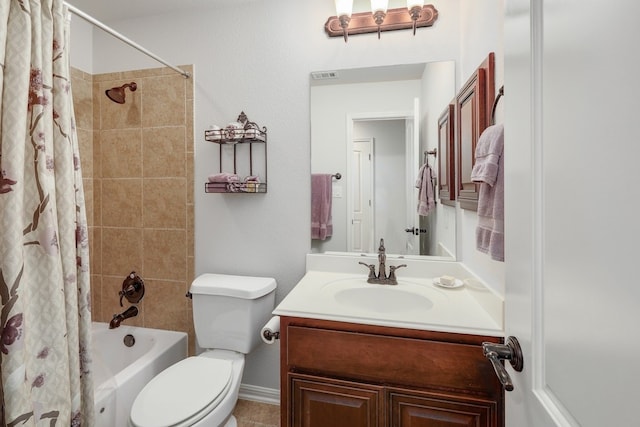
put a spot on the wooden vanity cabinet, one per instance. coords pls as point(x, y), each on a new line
point(342, 374)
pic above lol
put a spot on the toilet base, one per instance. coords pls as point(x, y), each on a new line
point(231, 422)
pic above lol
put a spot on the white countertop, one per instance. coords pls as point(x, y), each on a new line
point(470, 309)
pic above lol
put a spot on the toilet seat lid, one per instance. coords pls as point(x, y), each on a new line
point(181, 392)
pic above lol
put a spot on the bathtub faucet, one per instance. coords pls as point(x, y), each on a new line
point(118, 318)
point(132, 289)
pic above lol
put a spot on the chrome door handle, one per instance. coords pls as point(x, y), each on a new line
point(496, 353)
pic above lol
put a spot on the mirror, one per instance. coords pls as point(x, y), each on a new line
point(389, 115)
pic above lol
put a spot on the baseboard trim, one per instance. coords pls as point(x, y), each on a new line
point(259, 394)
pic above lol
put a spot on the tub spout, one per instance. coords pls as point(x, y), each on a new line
point(118, 318)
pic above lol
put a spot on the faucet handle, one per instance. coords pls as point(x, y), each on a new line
point(392, 272)
point(132, 288)
point(372, 269)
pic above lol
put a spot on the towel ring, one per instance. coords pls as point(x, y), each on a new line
point(495, 104)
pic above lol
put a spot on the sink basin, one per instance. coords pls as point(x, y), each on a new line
point(404, 297)
point(383, 299)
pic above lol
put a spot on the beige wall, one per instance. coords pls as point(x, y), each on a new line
point(137, 161)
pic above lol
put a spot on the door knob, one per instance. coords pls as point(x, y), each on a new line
point(496, 353)
point(415, 231)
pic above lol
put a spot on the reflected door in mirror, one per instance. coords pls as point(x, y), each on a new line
point(361, 223)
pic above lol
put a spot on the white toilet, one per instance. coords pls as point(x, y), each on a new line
point(228, 314)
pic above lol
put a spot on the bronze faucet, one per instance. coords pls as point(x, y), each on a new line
point(118, 318)
point(381, 278)
point(132, 289)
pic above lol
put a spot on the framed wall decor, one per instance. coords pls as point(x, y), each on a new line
point(446, 156)
point(473, 106)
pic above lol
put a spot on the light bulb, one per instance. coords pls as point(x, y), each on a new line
point(379, 6)
point(344, 7)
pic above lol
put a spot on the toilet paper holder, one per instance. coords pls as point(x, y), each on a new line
point(271, 331)
point(270, 335)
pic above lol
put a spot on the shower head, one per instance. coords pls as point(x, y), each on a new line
point(116, 94)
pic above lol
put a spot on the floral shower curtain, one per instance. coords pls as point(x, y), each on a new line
point(45, 321)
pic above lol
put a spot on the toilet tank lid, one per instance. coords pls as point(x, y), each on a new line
point(246, 287)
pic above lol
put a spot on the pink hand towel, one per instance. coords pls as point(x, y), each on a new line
point(225, 182)
point(489, 172)
point(426, 195)
point(223, 177)
point(321, 226)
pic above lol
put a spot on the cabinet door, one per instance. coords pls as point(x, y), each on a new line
point(411, 410)
point(318, 402)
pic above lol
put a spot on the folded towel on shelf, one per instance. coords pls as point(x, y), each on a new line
point(426, 195)
point(250, 132)
point(321, 225)
point(214, 133)
point(224, 177)
point(234, 131)
point(488, 171)
point(226, 182)
point(252, 183)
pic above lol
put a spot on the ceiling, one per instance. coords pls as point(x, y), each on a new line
point(114, 10)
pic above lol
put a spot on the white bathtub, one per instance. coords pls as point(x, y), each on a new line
point(120, 372)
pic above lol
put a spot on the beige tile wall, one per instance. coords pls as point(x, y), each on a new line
point(137, 161)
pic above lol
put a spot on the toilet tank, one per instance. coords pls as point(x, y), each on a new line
point(229, 311)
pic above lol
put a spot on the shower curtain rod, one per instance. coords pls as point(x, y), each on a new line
point(117, 35)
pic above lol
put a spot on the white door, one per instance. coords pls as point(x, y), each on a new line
point(572, 151)
point(412, 156)
point(361, 223)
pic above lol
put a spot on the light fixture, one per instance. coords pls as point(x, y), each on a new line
point(414, 7)
point(379, 11)
point(343, 12)
point(346, 23)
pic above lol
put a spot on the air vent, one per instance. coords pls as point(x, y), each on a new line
point(324, 75)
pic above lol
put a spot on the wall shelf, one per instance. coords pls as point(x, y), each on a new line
point(237, 141)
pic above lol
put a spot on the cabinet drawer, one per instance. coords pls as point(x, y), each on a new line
point(382, 359)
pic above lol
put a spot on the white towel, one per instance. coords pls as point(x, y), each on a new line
point(488, 170)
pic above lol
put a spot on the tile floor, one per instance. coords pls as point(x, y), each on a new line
point(257, 414)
